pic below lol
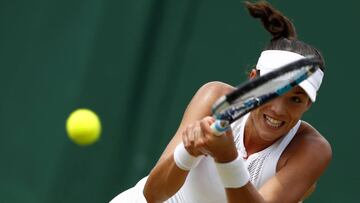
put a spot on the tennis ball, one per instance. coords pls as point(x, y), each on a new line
point(83, 127)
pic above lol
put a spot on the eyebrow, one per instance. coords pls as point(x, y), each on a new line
point(300, 92)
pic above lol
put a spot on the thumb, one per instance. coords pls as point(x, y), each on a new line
point(206, 123)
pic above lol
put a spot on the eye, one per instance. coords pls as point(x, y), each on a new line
point(296, 99)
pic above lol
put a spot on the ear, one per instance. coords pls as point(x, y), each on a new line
point(253, 74)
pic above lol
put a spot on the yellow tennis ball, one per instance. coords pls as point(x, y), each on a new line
point(83, 127)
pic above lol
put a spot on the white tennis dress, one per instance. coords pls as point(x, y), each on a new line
point(203, 185)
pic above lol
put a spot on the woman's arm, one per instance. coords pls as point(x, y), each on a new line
point(308, 156)
point(166, 178)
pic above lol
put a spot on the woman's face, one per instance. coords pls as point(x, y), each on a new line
point(276, 118)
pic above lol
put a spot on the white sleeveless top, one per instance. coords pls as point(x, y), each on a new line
point(203, 185)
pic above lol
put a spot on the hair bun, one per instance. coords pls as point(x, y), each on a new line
point(274, 22)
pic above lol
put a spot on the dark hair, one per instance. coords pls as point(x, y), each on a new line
point(282, 30)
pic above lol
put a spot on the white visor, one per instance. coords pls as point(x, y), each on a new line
point(273, 59)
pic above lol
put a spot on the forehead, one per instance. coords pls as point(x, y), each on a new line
point(298, 90)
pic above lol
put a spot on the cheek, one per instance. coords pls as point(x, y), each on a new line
point(296, 113)
point(257, 112)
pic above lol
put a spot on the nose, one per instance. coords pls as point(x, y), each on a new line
point(278, 106)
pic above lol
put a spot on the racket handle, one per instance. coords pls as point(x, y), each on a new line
point(219, 127)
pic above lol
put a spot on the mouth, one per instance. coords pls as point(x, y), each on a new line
point(272, 122)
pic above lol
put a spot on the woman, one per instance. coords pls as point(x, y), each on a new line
point(269, 155)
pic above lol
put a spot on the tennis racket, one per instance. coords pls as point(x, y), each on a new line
point(254, 93)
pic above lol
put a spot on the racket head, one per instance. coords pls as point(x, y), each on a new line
point(262, 89)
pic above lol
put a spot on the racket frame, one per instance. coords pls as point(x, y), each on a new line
point(226, 109)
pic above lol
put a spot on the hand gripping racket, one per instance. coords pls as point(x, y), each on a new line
point(256, 92)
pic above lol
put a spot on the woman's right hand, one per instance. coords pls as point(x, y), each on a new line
point(199, 139)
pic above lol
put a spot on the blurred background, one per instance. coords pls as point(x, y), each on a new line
point(137, 64)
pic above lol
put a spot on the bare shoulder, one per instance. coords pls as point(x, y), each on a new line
point(216, 87)
point(307, 143)
point(201, 103)
point(310, 140)
point(198, 108)
point(206, 95)
point(302, 163)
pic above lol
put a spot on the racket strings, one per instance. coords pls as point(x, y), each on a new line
point(276, 83)
point(258, 95)
point(254, 93)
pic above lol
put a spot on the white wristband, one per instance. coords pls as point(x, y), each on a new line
point(233, 174)
point(183, 159)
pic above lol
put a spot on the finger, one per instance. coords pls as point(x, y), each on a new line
point(210, 120)
point(205, 125)
point(197, 134)
point(191, 135)
point(185, 139)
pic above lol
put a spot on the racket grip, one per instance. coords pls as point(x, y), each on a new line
point(219, 127)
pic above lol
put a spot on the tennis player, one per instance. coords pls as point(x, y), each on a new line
point(269, 155)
